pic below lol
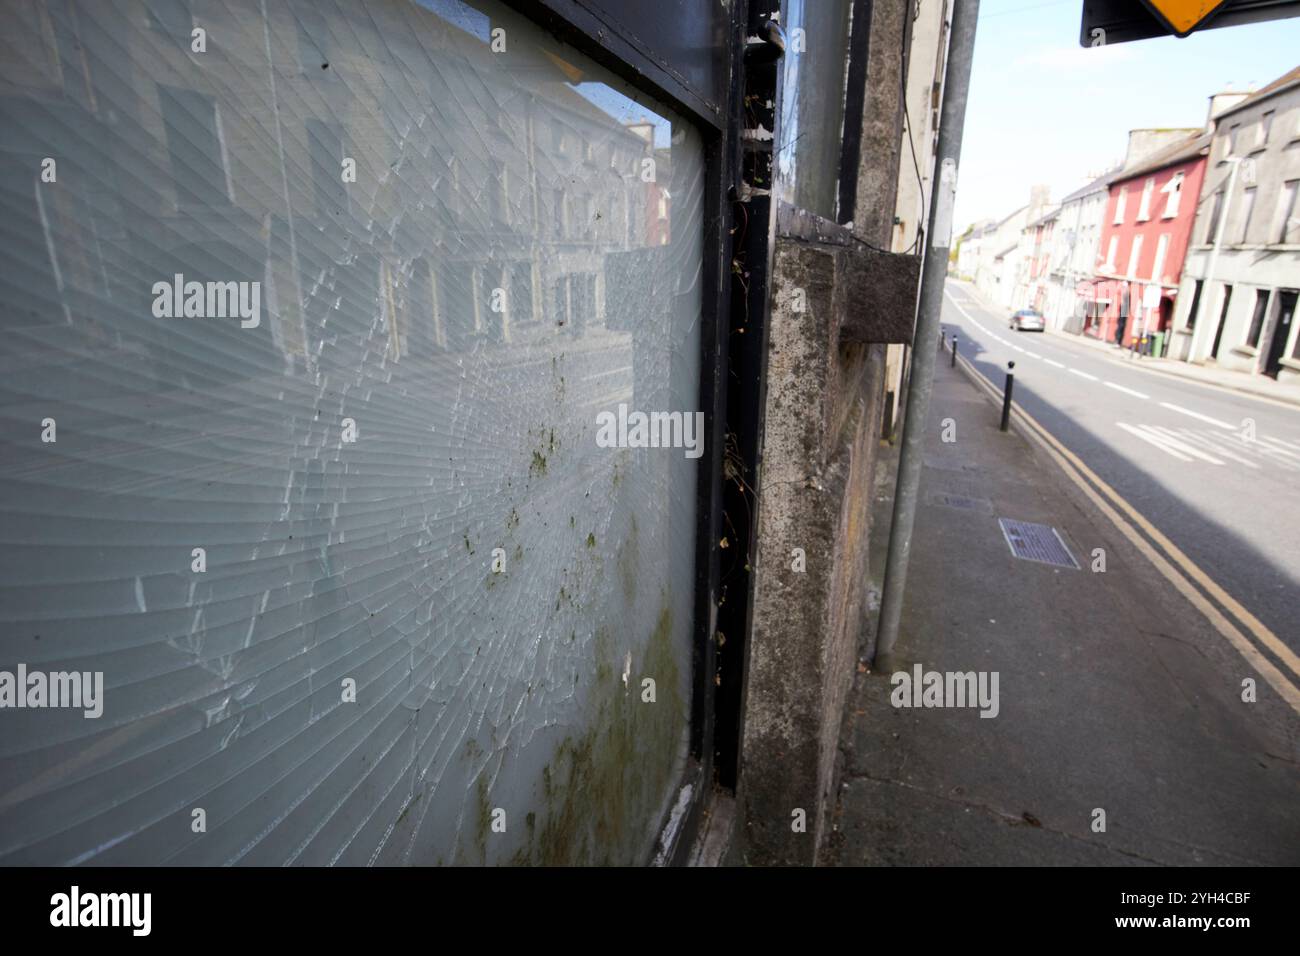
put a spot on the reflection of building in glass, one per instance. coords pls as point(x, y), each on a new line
point(227, 164)
point(489, 279)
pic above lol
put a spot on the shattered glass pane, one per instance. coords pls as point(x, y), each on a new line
point(309, 311)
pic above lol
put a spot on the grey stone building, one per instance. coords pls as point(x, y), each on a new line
point(1241, 277)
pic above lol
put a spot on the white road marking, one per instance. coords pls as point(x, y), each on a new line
point(1017, 348)
point(1172, 438)
point(1280, 447)
point(1288, 444)
point(1285, 464)
point(958, 305)
point(1091, 378)
point(1205, 441)
point(1054, 362)
point(1032, 354)
point(1204, 418)
point(1127, 391)
point(1148, 438)
point(1262, 449)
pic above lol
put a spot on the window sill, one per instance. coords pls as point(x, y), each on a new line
point(1249, 351)
point(1254, 247)
point(1293, 364)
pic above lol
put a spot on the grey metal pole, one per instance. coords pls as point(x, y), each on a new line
point(934, 272)
point(1214, 257)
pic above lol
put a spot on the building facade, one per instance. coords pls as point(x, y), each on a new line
point(1242, 277)
point(925, 64)
point(1148, 222)
point(1073, 257)
point(1037, 250)
point(997, 255)
point(968, 250)
point(994, 265)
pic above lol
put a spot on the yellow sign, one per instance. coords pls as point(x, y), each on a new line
point(1183, 16)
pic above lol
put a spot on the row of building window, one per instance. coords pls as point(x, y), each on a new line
point(1285, 229)
point(1285, 303)
point(1263, 135)
point(1135, 254)
point(1173, 191)
point(200, 173)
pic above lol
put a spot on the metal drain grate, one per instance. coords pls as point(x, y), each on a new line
point(1037, 542)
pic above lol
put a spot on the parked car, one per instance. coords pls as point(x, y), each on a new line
point(1027, 320)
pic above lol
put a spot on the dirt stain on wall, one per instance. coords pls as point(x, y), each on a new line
point(603, 787)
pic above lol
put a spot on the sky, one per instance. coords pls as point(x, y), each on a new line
point(1042, 109)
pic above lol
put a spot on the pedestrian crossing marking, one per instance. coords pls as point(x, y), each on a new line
point(1212, 446)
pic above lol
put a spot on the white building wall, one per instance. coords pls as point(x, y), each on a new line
point(1247, 272)
point(925, 69)
point(1075, 251)
point(924, 85)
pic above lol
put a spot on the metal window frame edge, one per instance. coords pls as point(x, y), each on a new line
point(580, 26)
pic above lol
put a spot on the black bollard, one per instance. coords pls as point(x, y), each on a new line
point(1006, 395)
point(953, 363)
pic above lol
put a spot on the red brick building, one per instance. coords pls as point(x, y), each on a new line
point(1144, 238)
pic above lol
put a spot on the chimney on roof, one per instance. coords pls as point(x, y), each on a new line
point(1143, 143)
point(1220, 102)
point(1039, 197)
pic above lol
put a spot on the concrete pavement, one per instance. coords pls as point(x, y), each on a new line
point(1215, 470)
point(1116, 694)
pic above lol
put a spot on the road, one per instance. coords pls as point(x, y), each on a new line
point(1180, 452)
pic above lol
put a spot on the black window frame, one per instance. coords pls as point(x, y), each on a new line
point(588, 27)
point(1195, 305)
point(612, 33)
point(1249, 196)
point(1258, 314)
point(1216, 212)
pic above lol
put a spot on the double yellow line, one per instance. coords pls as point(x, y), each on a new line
point(1176, 566)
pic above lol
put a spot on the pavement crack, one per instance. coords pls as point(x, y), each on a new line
point(1173, 637)
point(1020, 820)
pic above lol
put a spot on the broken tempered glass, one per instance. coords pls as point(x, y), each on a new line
point(321, 302)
